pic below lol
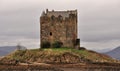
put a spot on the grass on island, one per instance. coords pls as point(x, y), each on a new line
point(48, 53)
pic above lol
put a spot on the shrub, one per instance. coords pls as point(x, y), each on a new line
point(57, 44)
point(82, 48)
point(45, 44)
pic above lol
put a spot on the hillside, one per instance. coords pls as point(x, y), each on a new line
point(5, 50)
point(115, 53)
point(56, 55)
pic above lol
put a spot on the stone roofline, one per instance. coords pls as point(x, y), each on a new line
point(57, 13)
point(75, 11)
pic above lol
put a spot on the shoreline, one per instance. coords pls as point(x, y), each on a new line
point(61, 67)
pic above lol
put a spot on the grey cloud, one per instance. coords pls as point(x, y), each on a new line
point(98, 19)
point(100, 23)
point(22, 23)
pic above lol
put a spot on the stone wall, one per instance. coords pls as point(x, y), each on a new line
point(56, 27)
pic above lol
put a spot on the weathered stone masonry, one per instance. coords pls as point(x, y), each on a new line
point(59, 26)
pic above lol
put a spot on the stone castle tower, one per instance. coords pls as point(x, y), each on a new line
point(59, 26)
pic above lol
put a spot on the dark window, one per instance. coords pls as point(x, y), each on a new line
point(52, 17)
point(60, 18)
point(50, 33)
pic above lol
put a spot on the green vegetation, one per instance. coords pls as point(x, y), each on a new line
point(45, 44)
point(57, 44)
point(59, 55)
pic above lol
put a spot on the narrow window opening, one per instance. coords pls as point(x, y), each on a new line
point(52, 17)
point(50, 33)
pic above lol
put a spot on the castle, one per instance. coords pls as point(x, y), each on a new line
point(59, 26)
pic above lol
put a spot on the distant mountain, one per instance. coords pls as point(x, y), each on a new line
point(103, 50)
point(115, 53)
point(2, 53)
point(5, 50)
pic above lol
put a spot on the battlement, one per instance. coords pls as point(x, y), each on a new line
point(64, 14)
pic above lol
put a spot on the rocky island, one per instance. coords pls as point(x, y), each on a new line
point(58, 59)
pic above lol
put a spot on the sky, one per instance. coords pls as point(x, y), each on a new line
point(98, 21)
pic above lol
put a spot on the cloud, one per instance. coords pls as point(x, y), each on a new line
point(98, 20)
point(13, 41)
point(101, 45)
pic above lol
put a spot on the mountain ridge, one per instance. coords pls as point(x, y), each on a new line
point(4, 50)
point(115, 53)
